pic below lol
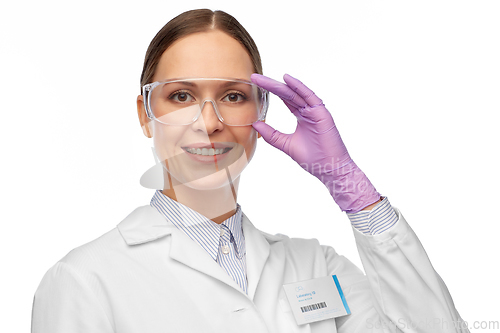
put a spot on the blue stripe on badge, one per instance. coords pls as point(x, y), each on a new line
point(341, 294)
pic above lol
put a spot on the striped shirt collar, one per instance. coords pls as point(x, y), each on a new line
point(199, 228)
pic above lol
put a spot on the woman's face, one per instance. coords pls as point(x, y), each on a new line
point(212, 54)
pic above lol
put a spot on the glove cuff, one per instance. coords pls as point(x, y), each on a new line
point(350, 188)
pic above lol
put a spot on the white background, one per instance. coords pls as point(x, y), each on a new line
point(412, 86)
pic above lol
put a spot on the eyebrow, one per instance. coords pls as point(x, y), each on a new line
point(232, 83)
point(187, 83)
point(224, 85)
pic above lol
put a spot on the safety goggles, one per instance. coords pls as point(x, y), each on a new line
point(181, 101)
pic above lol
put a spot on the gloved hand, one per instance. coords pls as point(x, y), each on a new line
point(316, 144)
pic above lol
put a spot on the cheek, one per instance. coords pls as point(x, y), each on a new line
point(165, 139)
point(247, 137)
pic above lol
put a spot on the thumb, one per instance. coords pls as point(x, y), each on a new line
point(274, 137)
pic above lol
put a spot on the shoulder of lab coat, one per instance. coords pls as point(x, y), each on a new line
point(406, 290)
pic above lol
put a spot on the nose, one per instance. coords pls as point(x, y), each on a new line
point(208, 121)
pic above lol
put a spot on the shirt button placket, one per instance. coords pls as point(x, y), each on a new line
point(224, 240)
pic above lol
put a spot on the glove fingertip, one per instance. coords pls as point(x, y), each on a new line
point(260, 127)
point(255, 77)
point(267, 132)
point(291, 80)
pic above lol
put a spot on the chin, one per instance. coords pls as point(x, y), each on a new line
point(213, 181)
point(209, 178)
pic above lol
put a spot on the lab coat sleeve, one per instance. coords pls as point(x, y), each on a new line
point(401, 291)
point(64, 303)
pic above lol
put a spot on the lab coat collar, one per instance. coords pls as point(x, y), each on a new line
point(146, 224)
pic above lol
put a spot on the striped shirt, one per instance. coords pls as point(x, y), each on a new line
point(375, 221)
point(225, 242)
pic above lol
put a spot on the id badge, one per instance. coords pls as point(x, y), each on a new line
point(316, 299)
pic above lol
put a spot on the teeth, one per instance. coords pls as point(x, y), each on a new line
point(207, 152)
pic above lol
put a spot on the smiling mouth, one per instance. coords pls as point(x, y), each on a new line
point(207, 151)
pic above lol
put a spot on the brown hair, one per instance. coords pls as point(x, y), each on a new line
point(193, 21)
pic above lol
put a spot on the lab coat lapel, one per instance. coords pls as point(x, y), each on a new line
point(258, 250)
point(186, 251)
point(146, 224)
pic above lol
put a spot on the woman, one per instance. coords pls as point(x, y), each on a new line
point(191, 261)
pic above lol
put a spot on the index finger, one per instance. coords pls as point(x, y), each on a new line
point(279, 89)
point(307, 94)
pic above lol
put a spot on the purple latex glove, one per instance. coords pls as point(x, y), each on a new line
point(316, 144)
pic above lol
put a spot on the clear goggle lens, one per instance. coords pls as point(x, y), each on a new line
point(181, 101)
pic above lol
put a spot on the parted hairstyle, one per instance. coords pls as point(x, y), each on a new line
point(194, 21)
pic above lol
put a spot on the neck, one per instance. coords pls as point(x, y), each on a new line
point(216, 204)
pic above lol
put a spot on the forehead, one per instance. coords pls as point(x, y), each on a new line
point(205, 54)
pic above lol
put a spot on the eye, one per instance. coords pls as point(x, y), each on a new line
point(234, 97)
point(181, 97)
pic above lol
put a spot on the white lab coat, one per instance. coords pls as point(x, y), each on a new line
point(147, 276)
